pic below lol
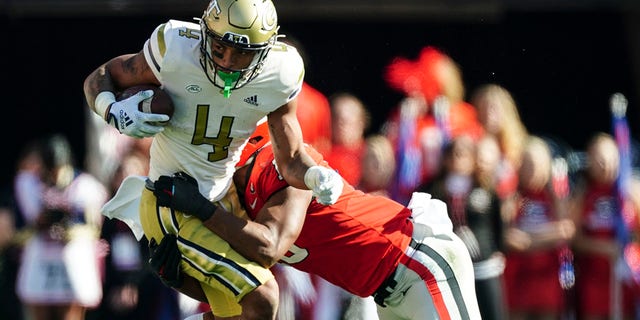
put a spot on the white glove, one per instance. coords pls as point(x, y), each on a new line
point(125, 116)
point(325, 183)
point(430, 212)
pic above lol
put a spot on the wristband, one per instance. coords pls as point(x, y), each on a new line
point(311, 177)
point(205, 210)
point(102, 103)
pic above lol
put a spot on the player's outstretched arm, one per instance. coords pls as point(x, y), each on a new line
point(296, 166)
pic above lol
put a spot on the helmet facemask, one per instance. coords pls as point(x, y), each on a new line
point(249, 25)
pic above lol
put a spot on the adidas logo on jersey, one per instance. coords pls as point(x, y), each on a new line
point(252, 100)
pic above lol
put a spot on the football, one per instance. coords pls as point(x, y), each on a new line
point(160, 102)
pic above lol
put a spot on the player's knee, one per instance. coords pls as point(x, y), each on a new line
point(262, 303)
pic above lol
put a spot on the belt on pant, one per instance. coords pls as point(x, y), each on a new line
point(389, 284)
point(385, 289)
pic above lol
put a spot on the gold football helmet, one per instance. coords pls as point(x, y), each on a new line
point(250, 25)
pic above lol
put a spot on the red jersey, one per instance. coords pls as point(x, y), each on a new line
point(598, 221)
point(314, 115)
point(355, 243)
point(532, 277)
point(347, 162)
point(600, 210)
point(593, 284)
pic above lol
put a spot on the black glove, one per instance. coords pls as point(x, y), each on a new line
point(164, 260)
point(181, 193)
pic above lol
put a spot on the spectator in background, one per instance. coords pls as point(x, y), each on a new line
point(537, 231)
point(378, 165)
point(314, 115)
point(10, 248)
point(59, 276)
point(27, 182)
point(498, 114)
point(486, 222)
point(467, 185)
point(350, 121)
point(314, 111)
point(597, 252)
point(432, 112)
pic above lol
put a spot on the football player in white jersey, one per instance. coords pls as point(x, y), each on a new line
point(225, 74)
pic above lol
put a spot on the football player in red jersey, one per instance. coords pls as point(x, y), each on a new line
point(407, 258)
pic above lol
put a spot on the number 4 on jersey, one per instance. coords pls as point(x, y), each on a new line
point(220, 142)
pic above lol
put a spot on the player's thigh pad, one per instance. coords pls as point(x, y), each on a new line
point(434, 280)
point(205, 256)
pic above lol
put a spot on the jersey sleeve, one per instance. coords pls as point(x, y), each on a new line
point(290, 69)
point(170, 47)
point(155, 49)
point(297, 85)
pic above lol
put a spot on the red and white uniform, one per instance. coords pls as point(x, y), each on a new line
point(532, 277)
point(594, 271)
point(362, 240)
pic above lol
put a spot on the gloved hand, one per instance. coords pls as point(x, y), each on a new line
point(326, 184)
point(164, 260)
point(181, 193)
point(125, 116)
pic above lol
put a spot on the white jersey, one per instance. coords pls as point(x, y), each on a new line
point(207, 131)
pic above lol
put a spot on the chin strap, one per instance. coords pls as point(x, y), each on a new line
point(229, 79)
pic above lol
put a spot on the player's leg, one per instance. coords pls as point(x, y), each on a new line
point(258, 304)
point(434, 280)
point(261, 303)
point(229, 280)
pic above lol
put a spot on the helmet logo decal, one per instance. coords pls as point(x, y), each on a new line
point(235, 38)
point(270, 17)
point(214, 5)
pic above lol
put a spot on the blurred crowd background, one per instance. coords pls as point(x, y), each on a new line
point(502, 109)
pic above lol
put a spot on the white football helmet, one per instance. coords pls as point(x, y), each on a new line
point(245, 24)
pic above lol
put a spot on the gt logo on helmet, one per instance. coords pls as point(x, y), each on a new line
point(214, 5)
